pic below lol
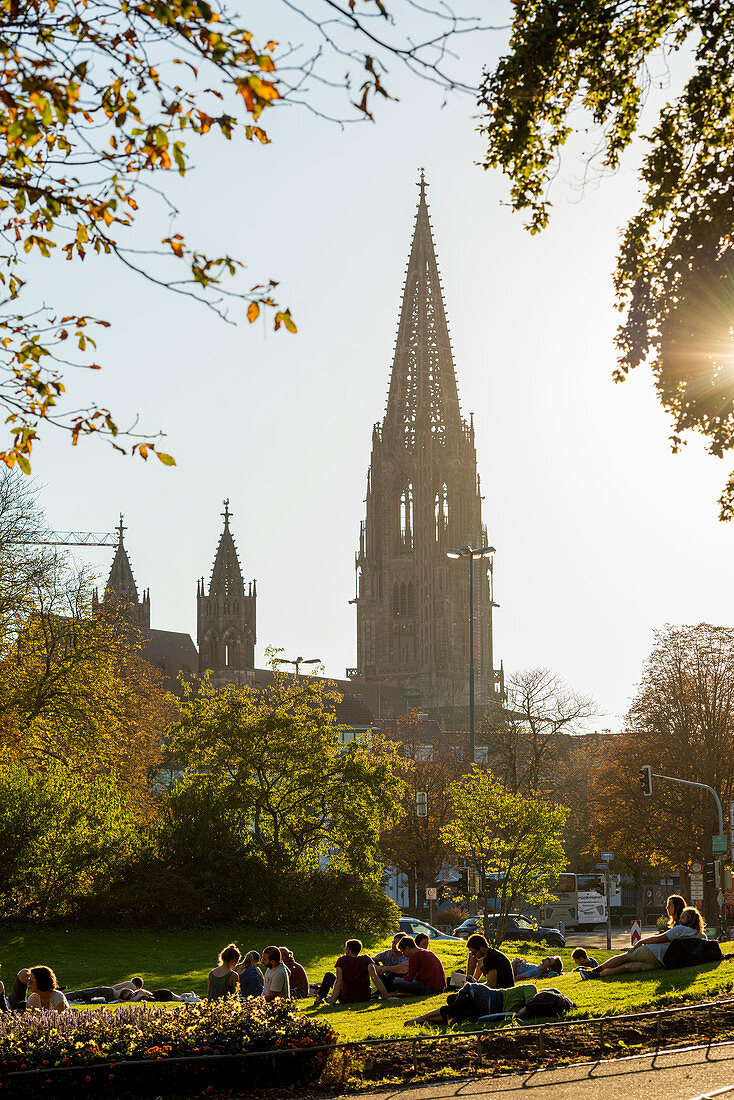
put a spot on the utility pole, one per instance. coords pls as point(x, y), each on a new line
point(646, 777)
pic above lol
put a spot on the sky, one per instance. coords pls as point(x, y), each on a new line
point(602, 534)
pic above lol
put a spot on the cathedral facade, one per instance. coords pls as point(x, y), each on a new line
point(424, 498)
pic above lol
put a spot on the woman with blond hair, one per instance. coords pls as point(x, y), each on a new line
point(223, 980)
point(649, 952)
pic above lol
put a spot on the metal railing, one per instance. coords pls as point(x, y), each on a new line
point(414, 1041)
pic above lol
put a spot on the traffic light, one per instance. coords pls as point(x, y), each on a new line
point(473, 882)
point(713, 873)
point(646, 780)
point(421, 804)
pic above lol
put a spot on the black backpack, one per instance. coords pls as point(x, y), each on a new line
point(549, 1002)
point(691, 952)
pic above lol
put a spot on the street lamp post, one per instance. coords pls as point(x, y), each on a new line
point(471, 554)
point(298, 662)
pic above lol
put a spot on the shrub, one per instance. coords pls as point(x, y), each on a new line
point(84, 1039)
point(326, 901)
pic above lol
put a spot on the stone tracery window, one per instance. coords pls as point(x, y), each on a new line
point(406, 517)
point(441, 511)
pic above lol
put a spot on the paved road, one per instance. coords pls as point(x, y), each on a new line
point(598, 938)
point(681, 1075)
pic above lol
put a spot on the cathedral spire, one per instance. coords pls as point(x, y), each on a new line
point(423, 397)
point(226, 579)
point(121, 586)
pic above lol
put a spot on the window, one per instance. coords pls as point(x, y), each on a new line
point(403, 601)
point(369, 642)
point(227, 655)
point(441, 510)
point(566, 884)
point(411, 600)
point(396, 599)
point(406, 517)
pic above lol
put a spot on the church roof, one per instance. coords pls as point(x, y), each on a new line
point(423, 396)
point(226, 579)
point(121, 584)
point(172, 652)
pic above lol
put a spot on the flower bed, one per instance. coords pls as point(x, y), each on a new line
point(145, 1046)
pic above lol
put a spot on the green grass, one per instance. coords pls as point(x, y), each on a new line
point(182, 961)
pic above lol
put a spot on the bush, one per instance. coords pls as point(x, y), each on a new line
point(326, 901)
point(131, 1033)
point(143, 894)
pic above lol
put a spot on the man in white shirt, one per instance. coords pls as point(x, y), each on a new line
point(649, 952)
point(276, 982)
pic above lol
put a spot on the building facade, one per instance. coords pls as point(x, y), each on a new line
point(424, 497)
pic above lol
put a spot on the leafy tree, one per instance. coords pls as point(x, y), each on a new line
point(276, 757)
point(59, 839)
point(511, 842)
point(414, 845)
point(76, 690)
point(682, 723)
point(575, 63)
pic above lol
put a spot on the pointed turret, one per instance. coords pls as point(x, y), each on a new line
point(226, 579)
point(121, 591)
point(226, 615)
point(423, 396)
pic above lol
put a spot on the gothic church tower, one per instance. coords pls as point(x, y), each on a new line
point(423, 496)
point(121, 592)
point(226, 615)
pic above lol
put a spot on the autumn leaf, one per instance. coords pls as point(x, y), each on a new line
point(253, 312)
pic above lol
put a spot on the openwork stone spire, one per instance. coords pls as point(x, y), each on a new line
point(423, 397)
point(226, 579)
point(423, 496)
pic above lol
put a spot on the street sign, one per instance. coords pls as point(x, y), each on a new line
point(718, 844)
point(720, 899)
point(601, 867)
point(635, 931)
point(431, 893)
point(697, 887)
point(696, 867)
point(607, 855)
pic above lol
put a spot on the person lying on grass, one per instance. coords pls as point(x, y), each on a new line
point(649, 952)
point(581, 959)
point(488, 963)
point(351, 982)
point(425, 975)
point(476, 999)
point(551, 966)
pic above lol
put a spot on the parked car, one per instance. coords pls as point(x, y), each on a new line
point(517, 927)
point(411, 926)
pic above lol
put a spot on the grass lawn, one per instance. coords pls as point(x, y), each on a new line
point(182, 960)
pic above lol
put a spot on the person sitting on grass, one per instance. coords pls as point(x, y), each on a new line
point(551, 966)
point(581, 959)
point(277, 982)
point(223, 982)
point(488, 963)
point(649, 952)
point(674, 907)
point(476, 999)
point(43, 992)
point(351, 982)
point(297, 976)
point(425, 975)
point(392, 963)
point(251, 980)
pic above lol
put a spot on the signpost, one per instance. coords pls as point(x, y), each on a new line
point(608, 857)
point(431, 896)
point(718, 844)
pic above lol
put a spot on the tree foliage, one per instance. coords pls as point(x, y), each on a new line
point(276, 757)
point(575, 63)
point(513, 843)
point(682, 723)
point(100, 100)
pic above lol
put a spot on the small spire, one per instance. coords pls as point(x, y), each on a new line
point(422, 184)
point(120, 530)
point(226, 514)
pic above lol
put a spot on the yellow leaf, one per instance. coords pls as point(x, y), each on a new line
point(253, 312)
point(167, 460)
